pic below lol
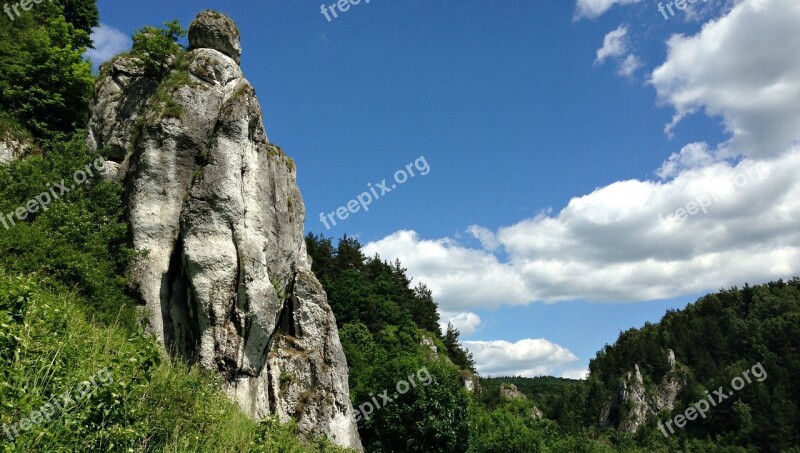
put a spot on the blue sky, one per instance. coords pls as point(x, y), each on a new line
point(544, 223)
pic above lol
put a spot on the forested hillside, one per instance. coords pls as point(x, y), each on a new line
point(720, 339)
point(715, 341)
point(385, 322)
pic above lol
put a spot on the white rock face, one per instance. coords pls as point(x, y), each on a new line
point(510, 392)
point(633, 393)
point(470, 382)
point(12, 148)
point(427, 342)
point(226, 278)
point(632, 405)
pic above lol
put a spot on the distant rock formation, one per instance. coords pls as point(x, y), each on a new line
point(632, 404)
point(470, 381)
point(427, 342)
point(226, 277)
point(509, 392)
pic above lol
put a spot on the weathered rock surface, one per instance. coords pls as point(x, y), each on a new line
point(212, 30)
point(632, 405)
point(226, 278)
point(470, 382)
point(510, 392)
point(427, 342)
point(12, 148)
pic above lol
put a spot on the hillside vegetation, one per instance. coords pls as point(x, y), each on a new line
point(715, 340)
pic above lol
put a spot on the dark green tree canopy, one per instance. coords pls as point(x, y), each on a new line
point(44, 81)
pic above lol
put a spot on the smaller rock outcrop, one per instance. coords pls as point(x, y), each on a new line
point(633, 404)
point(634, 400)
point(427, 342)
point(510, 392)
point(470, 382)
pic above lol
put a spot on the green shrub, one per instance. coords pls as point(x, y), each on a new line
point(158, 47)
point(45, 84)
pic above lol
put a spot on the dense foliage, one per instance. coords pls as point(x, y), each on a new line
point(368, 290)
point(382, 323)
point(714, 340)
point(44, 83)
point(157, 46)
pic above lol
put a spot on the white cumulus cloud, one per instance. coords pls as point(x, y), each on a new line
point(578, 373)
point(527, 358)
point(626, 242)
point(457, 275)
point(744, 69)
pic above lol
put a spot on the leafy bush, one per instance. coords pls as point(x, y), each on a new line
point(44, 82)
point(157, 47)
point(80, 240)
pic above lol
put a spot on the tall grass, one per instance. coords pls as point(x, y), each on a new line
point(51, 343)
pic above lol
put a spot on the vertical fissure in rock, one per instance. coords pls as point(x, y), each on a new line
point(180, 332)
point(286, 322)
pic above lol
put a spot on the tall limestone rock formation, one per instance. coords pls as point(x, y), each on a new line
point(216, 208)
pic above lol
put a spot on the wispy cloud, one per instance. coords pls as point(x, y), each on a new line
point(108, 41)
point(615, 44)
point(592, 9)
